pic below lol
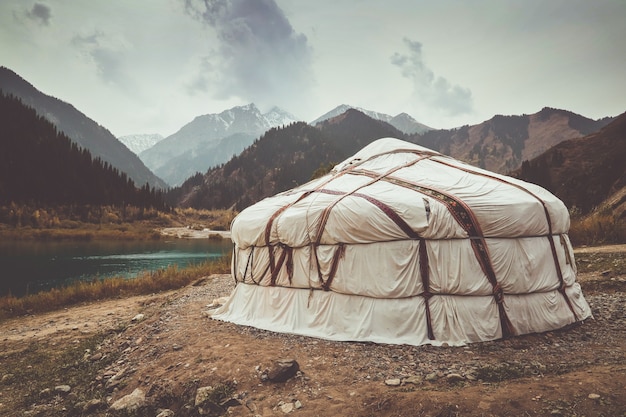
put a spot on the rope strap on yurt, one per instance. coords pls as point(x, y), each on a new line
point(386, 209)
point(285, 254)
point(464, 216)
point(277, 213)
point(353, 193)
point(248, 263)
point(339, 253)
point(424, 272)
point(555, 258)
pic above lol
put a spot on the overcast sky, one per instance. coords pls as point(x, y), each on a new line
point(151, 66)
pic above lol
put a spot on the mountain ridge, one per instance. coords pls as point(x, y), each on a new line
point(40, 164)
point(584, 172)
point(79, 128)
point(195, 146)
point(251, 176)
point(501, 143)
point(402, 121)
point(140, 142)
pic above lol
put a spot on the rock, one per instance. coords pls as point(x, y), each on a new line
point(138, 317)
point(394, 382)
point(431, 376)
point(217, 302)
point(204, 402)
point(62, 389)
point(286, 407)
point(230, 402)
point(282, 370)
point(297, 404)
point(165, 413)
point(414, 379)
point(93, 405)
point(130, 403)
point(594, 396)
point(7, 378)
point(454, 377)
point(202, 395)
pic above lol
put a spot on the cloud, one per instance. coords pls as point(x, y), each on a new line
point(432, 90)
point(259, 56)
point(40, 13)
point(107, 54)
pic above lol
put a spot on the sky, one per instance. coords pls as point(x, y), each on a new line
point(152, 66)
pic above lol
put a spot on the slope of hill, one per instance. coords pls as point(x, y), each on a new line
point(503, 142)
point(403, 122)
point(79, 128)
point(584, 172)
point(40, 165)
point(281, 159)
point(210, 140)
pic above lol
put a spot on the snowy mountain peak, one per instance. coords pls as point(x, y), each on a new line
point(278, 117)
point(198, 144)
point(141, 142)
point(345, 107)
point(402, 121)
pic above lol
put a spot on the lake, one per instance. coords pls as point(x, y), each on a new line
point(30, 266)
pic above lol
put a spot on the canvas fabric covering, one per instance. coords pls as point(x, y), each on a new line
point(400, 244)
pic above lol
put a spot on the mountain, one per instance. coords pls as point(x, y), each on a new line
point(501, 143)
point(286, 157)
point(79, 128)
point(279, 160)
point(585, 172)
point(210, 140)
point(141, 142)
point(403, 122)
point(42, 166)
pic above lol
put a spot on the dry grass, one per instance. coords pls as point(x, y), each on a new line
point(597, 229)
point(147, 283)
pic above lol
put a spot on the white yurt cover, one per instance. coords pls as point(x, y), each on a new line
point(400, 244)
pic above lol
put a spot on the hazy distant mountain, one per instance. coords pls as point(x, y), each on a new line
point(585, 172)
point(80, 129)
point(501, 143)
point(210, 140)
point(403, 122)
point(281, 159)
point(141, 142)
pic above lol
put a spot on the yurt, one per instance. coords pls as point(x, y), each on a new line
point(403, 245)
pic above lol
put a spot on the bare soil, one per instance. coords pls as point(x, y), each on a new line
point(173, 348)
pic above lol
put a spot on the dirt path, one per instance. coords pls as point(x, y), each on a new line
point(172, 348)
point(601, 249)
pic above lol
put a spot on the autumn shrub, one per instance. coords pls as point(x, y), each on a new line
point(597, 230)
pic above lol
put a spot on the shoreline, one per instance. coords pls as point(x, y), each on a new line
point(189, 233)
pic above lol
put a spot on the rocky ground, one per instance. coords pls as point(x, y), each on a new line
point(162, 355)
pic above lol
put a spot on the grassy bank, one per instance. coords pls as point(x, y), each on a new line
point(147, 283)
point(107, 222)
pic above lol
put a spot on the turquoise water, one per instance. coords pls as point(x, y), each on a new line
point(30, 267)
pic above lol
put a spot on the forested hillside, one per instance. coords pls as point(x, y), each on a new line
point(583, 172)
point(281, 159)
point(502, 143)
point(41, 166)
